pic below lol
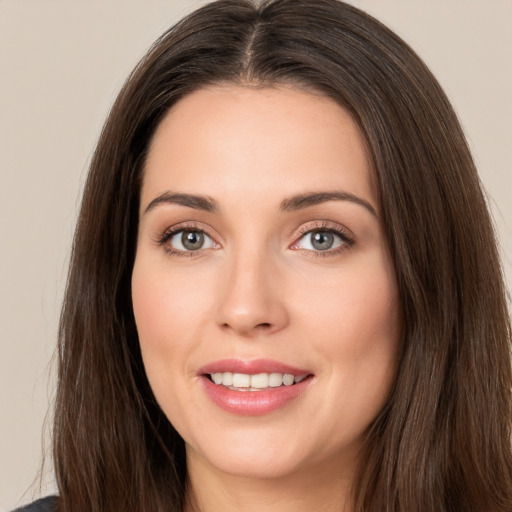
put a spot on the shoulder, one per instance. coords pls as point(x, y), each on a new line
point(48, 504)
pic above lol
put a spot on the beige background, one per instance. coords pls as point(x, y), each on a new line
point(61, 64)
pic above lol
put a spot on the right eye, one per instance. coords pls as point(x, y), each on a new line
point(187, 240)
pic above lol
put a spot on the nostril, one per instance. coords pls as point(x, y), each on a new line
point(263, 325)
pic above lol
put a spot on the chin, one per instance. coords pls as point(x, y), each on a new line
point(252, 457)
point(259, 453)
point(255, 465)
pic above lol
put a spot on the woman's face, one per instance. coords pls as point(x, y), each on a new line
point(261, 254)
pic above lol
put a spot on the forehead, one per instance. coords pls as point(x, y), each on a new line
point(233, 141)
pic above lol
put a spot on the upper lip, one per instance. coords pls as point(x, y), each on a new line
point(252, 367)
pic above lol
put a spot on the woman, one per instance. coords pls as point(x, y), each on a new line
point(284, 290)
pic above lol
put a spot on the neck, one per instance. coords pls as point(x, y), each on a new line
point(323, 489)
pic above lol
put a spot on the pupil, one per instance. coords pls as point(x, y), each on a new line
point(322, 240)
point(192, 240)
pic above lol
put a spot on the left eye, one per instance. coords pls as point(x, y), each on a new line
point(188, 240)
point(320, 240)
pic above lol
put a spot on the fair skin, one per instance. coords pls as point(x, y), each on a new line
point(250, 274)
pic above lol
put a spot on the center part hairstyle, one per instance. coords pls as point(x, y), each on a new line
point(442, 441)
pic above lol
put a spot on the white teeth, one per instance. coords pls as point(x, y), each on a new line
point(255, 382)
point(241, 380)
point(288, 379)
point(275, 380)
point(259, 381)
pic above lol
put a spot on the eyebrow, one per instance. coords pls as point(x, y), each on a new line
point(291, 204)
point(192, 201)
point(308, 199)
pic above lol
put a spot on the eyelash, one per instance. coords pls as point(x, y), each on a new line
point(174, 230)
point(325, 227)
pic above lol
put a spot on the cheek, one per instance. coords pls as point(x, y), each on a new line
point(357, 303)
point(166, 303)
point(158, 313)
point(355, 324)
point(150, 306)
point(171, 309)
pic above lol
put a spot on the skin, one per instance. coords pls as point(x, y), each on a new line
point(260, 289)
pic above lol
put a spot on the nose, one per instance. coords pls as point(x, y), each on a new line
point(252, 300)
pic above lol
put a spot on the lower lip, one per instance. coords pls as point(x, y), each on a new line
point(253, 403)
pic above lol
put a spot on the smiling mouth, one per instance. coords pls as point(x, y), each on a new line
point(255, 382)
point(254, 387)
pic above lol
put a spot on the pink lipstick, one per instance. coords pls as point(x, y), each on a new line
point(255, 387)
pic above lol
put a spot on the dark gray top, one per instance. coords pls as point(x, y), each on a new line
point(43, 505)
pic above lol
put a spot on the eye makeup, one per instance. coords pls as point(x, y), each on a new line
point(316, 239)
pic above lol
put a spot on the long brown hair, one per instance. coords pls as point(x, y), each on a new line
point(442, 442)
